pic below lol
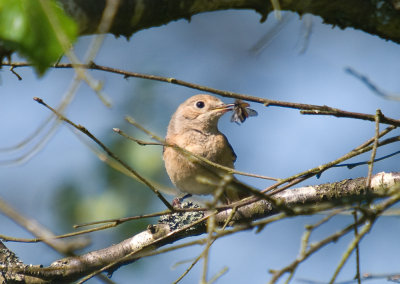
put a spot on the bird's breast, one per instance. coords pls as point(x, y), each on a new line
point(185, 171)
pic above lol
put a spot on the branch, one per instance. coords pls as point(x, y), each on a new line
point(303, 200)
point(108, 151)
point(309, 109)
point(136, 15)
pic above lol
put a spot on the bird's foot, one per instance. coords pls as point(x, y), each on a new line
point(177, 202)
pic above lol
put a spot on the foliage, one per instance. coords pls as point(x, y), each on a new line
point(37, 30)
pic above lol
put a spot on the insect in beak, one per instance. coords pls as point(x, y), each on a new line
point(241, 111)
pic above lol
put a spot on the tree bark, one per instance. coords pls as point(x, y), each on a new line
point(381, 18)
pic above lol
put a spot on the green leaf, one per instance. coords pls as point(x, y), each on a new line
point(37, 29)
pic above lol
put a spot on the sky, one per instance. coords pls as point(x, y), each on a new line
point(216, 50)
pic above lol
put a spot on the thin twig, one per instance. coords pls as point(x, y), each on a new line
point(370, 215)
point(313, 248)
point(348, 114)
point(33, 149)
point(205, 253)
point(163, 143)
point(371, 85)
point(367, 227)
point(306, 237)
point(353, 165)
point(125, 219)
point(218, 275)
point(311, 228)
point(39, 231)
point(109, 152)
point(15, 73)
point(375, 146)
point(200, 256)
point(190, 156)
point(314, 171)
point(305, 108)
point(65, 43)
point(47, 239)
point(370, 218)
point(358, 274)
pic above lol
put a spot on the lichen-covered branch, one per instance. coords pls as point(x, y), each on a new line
point(380, 17)
point(304, 200)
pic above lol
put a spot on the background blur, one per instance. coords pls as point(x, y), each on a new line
point(65, 183)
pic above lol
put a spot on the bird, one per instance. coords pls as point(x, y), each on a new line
point(194, 128)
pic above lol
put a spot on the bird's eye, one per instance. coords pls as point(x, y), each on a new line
point(200, 104)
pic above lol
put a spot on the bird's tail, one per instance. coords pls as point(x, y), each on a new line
point(236, 190)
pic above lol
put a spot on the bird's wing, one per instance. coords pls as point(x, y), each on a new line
point(230, 147)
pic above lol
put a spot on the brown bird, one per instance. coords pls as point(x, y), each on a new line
point(194, 127)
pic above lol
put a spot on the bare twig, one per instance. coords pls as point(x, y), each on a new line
point(15, 73)
point(188, 153)
point(368, 219)
point(314, 171)
point(306, 238)
point(63, 40)
point(109, 152)
point(358, 274)
point(51, 238)
point(39, 231)
point(373, 87)
point(218, 275)
point(374, 147)
point(228, 220)
point(145, 243)
point(305, 108)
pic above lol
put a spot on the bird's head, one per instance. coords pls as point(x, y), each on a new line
point(200, 112)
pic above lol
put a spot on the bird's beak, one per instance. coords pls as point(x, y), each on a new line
point(225, 107)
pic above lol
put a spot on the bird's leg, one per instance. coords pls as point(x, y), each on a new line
point(177, 202)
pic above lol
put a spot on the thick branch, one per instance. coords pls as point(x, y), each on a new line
point(380, 18)
point(302, 200)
